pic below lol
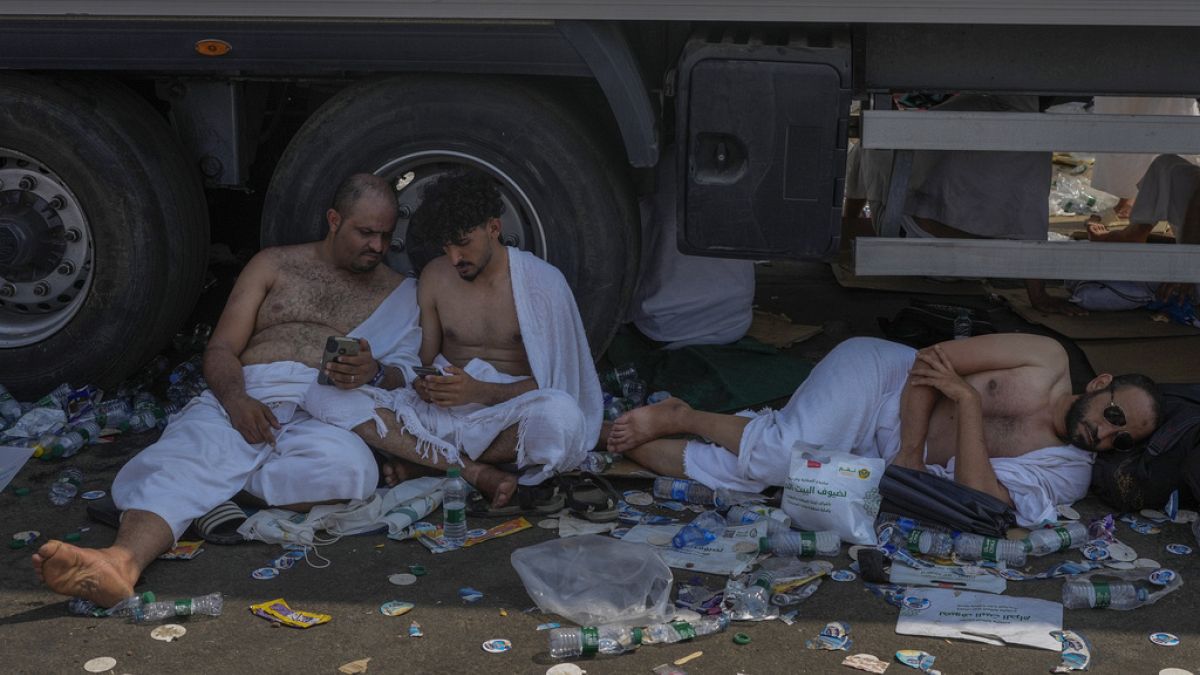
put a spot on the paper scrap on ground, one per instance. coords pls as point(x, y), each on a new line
point(11, 460)
point(981, 617)
point(946, 576)
point(570, 526)
point(431, 536)
point(717, 557)
point(184, 550)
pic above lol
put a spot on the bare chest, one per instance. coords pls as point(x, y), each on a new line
point(1016, 416)
point(322, 297)
point(482, 323)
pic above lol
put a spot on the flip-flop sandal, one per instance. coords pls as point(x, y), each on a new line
point(592, 498)
point(220, 525)
point(530, 500)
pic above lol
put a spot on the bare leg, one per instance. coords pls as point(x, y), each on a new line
point(605, 432)
point(673, 416)
point(664, 456)
point(497, 485)
point(104, 575)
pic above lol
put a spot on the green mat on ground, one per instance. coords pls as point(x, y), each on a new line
point(716, 378)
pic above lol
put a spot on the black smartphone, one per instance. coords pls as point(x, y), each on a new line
point(334, 347)
point(426, 371)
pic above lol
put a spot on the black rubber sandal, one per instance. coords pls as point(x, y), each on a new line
point(220, 525)
point(592, 498)
point(530, 500)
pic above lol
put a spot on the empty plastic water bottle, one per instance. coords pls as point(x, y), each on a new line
point(82, 607)
point(679, 631)
point(975, 547)
point(10, 409)
point(1084, 593)
point(703, 529)
point(597, 462)
point(691, 492)
point(113, 413)
point(962, 325)
point(776, 519)
point(56, 398)
point(588, 640)
point(794, 542)
point(66, 486)
point(1051, 540)
point(454, 507)
point(209, 605)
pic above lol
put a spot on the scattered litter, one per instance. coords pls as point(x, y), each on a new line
point(570, 526)
point(93, 494)
point(184, 550)
point(414, 630)
point(431, 536)
point(549, 626)
point(1076, 651)
point(1174, 671)
point(843, 575)
point(417, 570)
point(497, 646)
point(1119, 564)
point(265, 573)
point(1121, 552)
point(1162, 577)
point(565, 669)
point(402, 579)
point(100, 664)
point(915, 658)
point(169, 632)
point(1065, 511)
point(667, 669)
point(638, 498)
point(1147, 563)
point(1182, 518)
point(991, 619)
point(1179, 549)
point(1154, 515)
point(395, 608)
point(716, 557)
point(868, 662)
point(503, 612)
point(22, 539)
point(789, 618)
point(834, 636)
point(354, 667)
point(1095, 553)
point(548, 524)
point(277, 610)
point(470, 595)
point(915, 603)
point(741, 639)
point(1164, 639)
point(946, 576)
point(690, 657)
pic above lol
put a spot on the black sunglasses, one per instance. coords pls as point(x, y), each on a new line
point(1116, 417)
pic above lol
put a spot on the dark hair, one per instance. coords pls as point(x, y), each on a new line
point(1147, 385)
point(453, 205)
point(360, 185)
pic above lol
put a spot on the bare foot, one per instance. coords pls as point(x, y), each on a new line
point(396, 471)
point(641, 425)
point(497, 485)
point(98, 575)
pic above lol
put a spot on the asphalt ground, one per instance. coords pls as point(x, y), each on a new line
point(39, 636)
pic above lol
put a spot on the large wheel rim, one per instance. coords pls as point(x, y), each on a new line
point(46, 255)
point(521, 226)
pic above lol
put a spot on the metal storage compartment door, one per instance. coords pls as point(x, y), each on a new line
point(765, 159)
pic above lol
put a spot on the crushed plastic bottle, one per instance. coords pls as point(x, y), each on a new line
point(679, 631)
point(776, 519)
point(66, 486)
point(113, 413)
point(692, 492)
point(566, 643)
point(703, 529)
point(975, 547)
point(82, 607)
point(209, 605)
point(1052, 540)
point(794, 542)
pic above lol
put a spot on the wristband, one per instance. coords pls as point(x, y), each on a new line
point(379, 375)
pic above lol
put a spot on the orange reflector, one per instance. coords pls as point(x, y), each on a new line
point(213, 48)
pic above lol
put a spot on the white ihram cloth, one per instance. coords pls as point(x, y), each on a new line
point(201, 460)
point(851, 402)
point(1120, 173)
point(558, 422)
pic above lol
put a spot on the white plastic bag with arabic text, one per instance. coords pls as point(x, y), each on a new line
point(834, 491)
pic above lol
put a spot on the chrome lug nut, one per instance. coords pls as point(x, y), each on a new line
point(66, 268)
point(41, 288)
point(73, 235)
point(58, 203)
point(7, 291)
point(27, 183)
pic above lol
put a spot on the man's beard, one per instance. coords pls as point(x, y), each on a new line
point(478, 268)
point(1075, 419)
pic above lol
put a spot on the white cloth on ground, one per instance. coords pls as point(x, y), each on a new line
point(990, 194)
point(682, 299)
point(1119, 173)
point(201, 460)
point(851, 402)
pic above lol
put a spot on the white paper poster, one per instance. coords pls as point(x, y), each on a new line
point(982, 617)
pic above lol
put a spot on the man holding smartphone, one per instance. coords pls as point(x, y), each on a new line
point(251, 431)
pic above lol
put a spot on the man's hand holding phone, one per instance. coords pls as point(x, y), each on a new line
point(453, 388)
point(350, 365)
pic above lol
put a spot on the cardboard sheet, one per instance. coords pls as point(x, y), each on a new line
point(982, 617)
point(778, 330)
point(1096, 325)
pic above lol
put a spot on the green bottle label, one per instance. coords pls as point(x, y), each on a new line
point(183, 608)
point(590, 637)
point(686, 630)
point(1103, 594)
point(808, 543)
point(914, 541)
point(1064, 538)
point(456, 516)
point(989, 548)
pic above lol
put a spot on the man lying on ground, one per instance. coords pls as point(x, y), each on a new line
point(993, 412)
point(248, 432)
point(518, 385)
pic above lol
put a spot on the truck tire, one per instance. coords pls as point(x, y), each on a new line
point(103, 233)
point(567, 198)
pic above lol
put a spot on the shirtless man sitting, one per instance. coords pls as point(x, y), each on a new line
point(518, 385)
point(993, 412)
point(247, 432)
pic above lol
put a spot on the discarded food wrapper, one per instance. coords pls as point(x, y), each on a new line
point(638, 498)
point(915, 658)
point(789, 618)
point(265, 573)
point(1076, 651)
point(169, 632)
point(549, 626)
point(1143, 527)
point(1164, 639)
point(1095, 553)
point(470, 595)
point(414, 630)
point(93, 494)
point(354, 667)
point(402, 579)
point(497, 646)
point(843, 575)
point(184, 550)
point(100, 664)
point(1179, 549)
point(1065, 511)
point(834, 636)
point(1162, 577)
point(1102, 528)
point(432, 539)
point(277, 610)
point(866, 662)
point(395, 608)
point(1120, 551)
